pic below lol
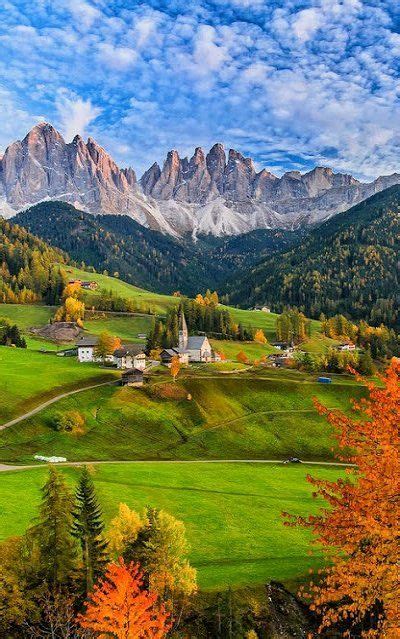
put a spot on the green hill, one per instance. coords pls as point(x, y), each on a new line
point(347, 265)
point(263, 415)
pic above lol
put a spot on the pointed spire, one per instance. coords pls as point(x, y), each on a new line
point(183, 332)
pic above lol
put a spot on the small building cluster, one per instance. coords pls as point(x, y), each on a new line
point(86, 284)
point(346, 347)
point(193, 348)
point(123, 358)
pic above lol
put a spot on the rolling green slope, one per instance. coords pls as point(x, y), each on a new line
point(29, 378)
point(232, 512)
point(153, 302)
point(267, 415)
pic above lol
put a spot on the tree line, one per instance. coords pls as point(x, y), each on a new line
point(30, 270)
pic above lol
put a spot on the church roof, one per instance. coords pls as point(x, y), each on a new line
point(195, 342)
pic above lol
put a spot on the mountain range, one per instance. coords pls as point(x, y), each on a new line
point(214, 194)
point(350, 264)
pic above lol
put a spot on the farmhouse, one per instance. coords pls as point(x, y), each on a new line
point(86, 284)
point(130, 357)
point(346, 346)
point(132, 377)
point(86, 347)
point(167, 354)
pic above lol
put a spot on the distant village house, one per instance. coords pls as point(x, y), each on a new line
point(92, 286)
point(132, 377)
point(130, 357)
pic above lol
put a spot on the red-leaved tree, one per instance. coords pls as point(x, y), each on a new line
point(120, 607)
point(359, 528)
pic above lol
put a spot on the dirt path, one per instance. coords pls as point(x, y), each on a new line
point(32, 412)
point(6, 467)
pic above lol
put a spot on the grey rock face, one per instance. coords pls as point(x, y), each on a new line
point(209, 193)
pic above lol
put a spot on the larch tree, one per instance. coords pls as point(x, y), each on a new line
point(161, 549)
point(88, 528)
point(260, 337)
point(120, 607)
point(360, 588)
point(175, 367)
point(124, 529)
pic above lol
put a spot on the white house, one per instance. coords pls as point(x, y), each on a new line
point(86, 350)
point(86, 346)
point(130, 357)
point(346, 346)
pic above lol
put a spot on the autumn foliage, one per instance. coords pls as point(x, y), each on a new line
point(359, 530)
point(120, 607)
point(175, 367)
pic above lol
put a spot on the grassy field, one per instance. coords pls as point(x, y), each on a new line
point(232, 512)
point(158, 303)
point(28, 378)
point(230, 349)
point(125, 327)
point(266, 415)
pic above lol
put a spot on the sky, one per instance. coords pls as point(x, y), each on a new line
point(293, 84)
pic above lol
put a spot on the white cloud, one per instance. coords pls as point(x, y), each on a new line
point(75, 113)
point(306, 23)
point(115, 57)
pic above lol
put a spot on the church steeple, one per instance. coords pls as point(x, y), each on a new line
point(183, 333)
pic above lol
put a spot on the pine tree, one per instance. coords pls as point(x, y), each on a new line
point(56, 545)
point(88, 528)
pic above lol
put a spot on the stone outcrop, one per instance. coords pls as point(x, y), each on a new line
point(217, 193)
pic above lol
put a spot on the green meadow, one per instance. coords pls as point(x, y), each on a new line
point(157, 302)
point(232, 512)
point(29, 378)
point(211, 415)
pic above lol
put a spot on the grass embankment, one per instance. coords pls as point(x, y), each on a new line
point(28, 378)
point(232, 512)
point(242, 416)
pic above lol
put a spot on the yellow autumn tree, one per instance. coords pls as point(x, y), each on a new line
point(106, 345)
point(260, 337)
point(73, 310)
point(124, 529)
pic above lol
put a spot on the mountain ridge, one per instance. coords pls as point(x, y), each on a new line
point(349, 264)
point(209, 193)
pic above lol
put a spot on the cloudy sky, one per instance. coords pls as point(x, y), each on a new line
point(294, 83)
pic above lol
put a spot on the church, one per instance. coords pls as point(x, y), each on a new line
point(191, 348)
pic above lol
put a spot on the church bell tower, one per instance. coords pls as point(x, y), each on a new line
point(183, 333)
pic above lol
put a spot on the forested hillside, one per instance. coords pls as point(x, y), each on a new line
point(27, 267)
point(147, 258)
point(349, 265)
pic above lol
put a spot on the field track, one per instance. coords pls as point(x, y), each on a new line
point(5, 467)
point(32, 412)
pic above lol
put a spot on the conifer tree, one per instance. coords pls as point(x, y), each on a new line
point(56, 546)
point(88, 528)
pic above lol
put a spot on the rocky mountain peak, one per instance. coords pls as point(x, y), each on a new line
point(208, 193)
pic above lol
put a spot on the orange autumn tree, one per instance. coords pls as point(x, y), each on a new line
point(175, 367)
point(360, 589)
point(120, 607)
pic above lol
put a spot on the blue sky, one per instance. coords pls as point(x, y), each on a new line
point(293, 83)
